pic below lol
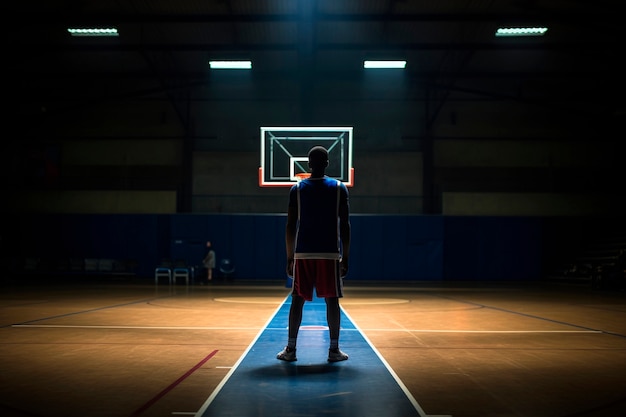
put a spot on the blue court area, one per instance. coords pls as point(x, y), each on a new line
point(260, 385)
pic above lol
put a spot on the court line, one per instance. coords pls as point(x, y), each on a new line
point(479, 331)
point(403, 387)
point(173, 385)
point(147, 300)
point(533, 316)
point(69, 326)
point(219, 387)
point(265, 328)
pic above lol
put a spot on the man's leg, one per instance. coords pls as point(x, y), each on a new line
point(295, 319)
point(333, 316)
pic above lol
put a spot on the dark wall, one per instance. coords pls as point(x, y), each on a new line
point(493, 248)
point(384, 248)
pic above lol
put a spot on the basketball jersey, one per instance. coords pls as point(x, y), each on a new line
point(318, 201)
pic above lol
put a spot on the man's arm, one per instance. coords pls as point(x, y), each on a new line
point(344, 233)
point(290, 237)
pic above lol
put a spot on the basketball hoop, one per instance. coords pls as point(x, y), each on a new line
point(302, 175)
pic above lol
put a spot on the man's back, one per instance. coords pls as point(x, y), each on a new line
point(318, 201)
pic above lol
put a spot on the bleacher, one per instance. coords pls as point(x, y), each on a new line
point(596, 262)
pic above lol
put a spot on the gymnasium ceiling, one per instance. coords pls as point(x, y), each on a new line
point(163, 47)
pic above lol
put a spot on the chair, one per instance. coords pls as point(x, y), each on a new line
point(31, 264)
point(180, 271)
point(76, 265)
point(105, 265)
point(163, 271)
point(91, 265)
point(227, 268)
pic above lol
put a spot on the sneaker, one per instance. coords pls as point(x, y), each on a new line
point(335, 355)
point(287, 354)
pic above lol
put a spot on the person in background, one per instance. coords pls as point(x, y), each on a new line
point(209, 261)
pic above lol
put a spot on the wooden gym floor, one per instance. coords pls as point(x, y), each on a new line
point(461, 349)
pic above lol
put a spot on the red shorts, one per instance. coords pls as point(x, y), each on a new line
point(322, 274)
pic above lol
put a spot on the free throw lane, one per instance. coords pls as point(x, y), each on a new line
point(261, 385)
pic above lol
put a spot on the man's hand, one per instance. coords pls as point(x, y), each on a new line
point(343, 267)
point(289, 268)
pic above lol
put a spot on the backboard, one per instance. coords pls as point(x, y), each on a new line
point(284, 153)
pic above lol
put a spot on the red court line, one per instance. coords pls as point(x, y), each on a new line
point(173, 385)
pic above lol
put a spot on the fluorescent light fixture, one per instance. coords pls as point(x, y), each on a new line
point(92, 31)
point(384, 64)
point(230, 64)
point(531, 31)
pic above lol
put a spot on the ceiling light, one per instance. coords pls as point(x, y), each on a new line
point(230, 64)
point(532, 31)
point(384, 64)
point(92, 31)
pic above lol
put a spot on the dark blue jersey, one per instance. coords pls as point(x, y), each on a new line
point(318, 201)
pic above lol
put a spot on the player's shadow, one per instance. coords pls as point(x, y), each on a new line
point(292, 369)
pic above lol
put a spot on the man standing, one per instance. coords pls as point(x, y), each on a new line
point(209, 261)
point(317, 240)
